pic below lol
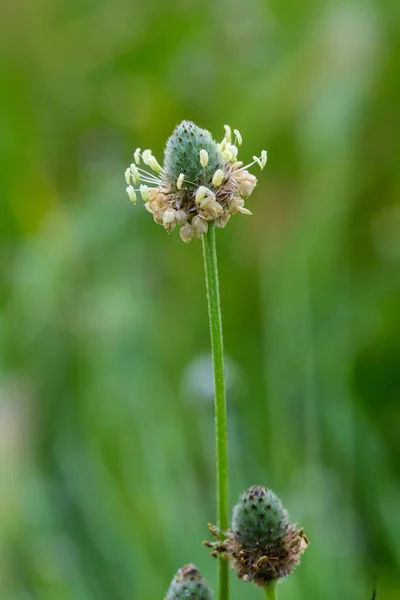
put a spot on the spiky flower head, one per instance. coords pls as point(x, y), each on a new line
point(263, 544)
point(201, 181)
point(189, 583)
point(259, 517)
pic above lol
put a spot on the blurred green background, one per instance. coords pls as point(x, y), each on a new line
point(106, 416)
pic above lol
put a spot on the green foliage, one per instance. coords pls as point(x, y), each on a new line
point(259, 517)
point(182, 154)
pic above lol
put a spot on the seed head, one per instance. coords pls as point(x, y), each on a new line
point(189, 584)
point(201, 181)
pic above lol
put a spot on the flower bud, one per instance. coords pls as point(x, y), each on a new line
point(189, 583)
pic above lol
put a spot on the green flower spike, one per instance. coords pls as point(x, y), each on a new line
point(201, 181)
point(188, 583)
point(263, 544)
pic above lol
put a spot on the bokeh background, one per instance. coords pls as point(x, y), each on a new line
point(106, 415)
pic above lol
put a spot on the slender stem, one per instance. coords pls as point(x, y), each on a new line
point(271, 591)
point(214, 314)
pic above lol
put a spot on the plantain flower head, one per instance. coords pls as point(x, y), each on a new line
point(189, 583)
point(263, 545)
point(201, 181)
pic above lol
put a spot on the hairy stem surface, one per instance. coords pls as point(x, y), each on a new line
point(214, 314)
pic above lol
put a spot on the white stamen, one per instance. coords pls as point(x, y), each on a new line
point(239, 138)
point(218, 177)
point(131, 193)
point(263, 158)
point(128, 176)
point(144, 191)
point(200, 193)
point(146, 155)
point(258, 161)
point(153, 164)
point(149, 176)
point(179, 182)
point(228, 134)
point(244, 211)
point(245, 167)
point(233, 152)
point(228, 151)
point(135, 173)
point(203, 158)
point(149, 180)
point(136, 156)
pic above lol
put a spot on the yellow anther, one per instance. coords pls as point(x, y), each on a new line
point(146, 155)
point(131, 193)
point(179, 181)
point(263, 158)
point(145, 192)
point(238, 136)
point(217, 178)
point(201, 193)
point(228, 133)
point(135, 173)
point(203, 158)
point(153, 164)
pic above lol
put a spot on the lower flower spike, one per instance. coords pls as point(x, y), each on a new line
point(263, 544)
point(189, 583)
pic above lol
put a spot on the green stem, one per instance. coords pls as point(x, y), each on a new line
point(271, 591)
point(221, 438)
